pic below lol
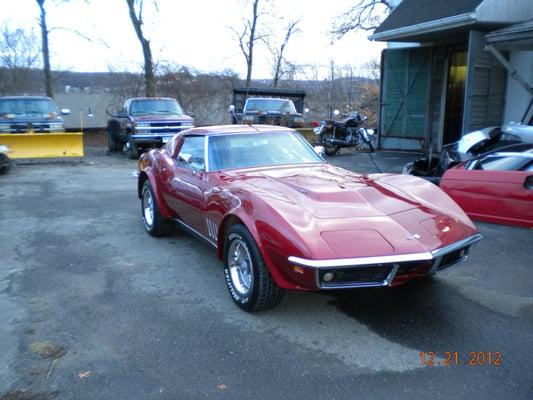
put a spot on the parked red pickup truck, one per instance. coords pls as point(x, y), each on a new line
point(146, 122)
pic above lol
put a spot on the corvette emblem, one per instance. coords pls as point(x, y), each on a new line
point(413, 236)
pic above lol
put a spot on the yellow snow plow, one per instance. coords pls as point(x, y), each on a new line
point(43, 145)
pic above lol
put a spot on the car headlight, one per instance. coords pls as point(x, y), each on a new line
point(299, 120)
point(248, 118)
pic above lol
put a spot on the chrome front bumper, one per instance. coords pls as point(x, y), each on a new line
point(163, 138)
point(436, 260)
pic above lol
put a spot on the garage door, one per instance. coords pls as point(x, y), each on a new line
point(405, 98)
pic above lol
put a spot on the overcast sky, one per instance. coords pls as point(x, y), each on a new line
point(195, 33)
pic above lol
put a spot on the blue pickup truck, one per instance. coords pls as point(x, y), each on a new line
point(145, 122)
point(27, 114)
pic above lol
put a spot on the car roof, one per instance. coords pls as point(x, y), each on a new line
point(267, 98)
point(236, 129)
point(151, 98)
point(25, 97)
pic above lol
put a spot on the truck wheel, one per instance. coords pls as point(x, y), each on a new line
point(132, 151)
point(154, 223)
point(113, 141)
point(247, 277)
point(5, 163)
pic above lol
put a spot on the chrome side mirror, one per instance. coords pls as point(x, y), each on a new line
point(320, 151)
point(231, 109)
point(65, 111)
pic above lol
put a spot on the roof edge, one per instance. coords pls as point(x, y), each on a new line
point(426, 27)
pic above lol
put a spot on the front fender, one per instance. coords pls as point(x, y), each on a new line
point(275, 239)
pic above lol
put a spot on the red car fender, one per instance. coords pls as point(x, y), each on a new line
point(276, 261)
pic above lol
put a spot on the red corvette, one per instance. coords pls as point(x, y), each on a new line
point(280, 217)
point(495, 187)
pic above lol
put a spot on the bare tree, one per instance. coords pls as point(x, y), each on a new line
point(17, 48)
point(247, 38)
point(365, 15)
point(281, 66)
point(136, 16)
point(205, 95)
point(18, 54)
point(45, 49)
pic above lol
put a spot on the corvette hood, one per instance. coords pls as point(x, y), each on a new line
point(390, 214)
point(330, 192)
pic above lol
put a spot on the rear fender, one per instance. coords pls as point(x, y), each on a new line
point(148, 174)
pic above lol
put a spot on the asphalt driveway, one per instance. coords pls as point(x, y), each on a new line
point(91, 307)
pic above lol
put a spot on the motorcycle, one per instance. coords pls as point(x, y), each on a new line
point(348, 132)
point(469, 146)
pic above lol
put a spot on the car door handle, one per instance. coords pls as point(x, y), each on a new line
point(528, 184)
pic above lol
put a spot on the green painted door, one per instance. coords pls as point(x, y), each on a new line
point(405, 98)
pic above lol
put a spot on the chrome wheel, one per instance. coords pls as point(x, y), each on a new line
point(148, 208)
point(240, 267)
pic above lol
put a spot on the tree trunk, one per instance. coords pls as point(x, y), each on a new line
point(249, 59)
point(45, 51)
point(149, 78)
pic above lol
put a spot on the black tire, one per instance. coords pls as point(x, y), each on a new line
point(113, 144)
point(132, 150)
point(154, 223)
point(263, 293)
point(113, 141)
point(5, 163)
point(329, 149)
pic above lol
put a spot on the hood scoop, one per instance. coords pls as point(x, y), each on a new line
point(328, 192)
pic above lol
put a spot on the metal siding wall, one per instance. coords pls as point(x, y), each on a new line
point(485, 87)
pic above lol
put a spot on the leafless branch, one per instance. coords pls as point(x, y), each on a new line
point(136, 18)
point(280, 66)
point(365, 15)
point(248, 37)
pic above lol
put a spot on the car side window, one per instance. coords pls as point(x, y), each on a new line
point(502, 163)
point(192, 149)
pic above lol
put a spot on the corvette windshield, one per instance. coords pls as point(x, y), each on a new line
point(259, 150)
